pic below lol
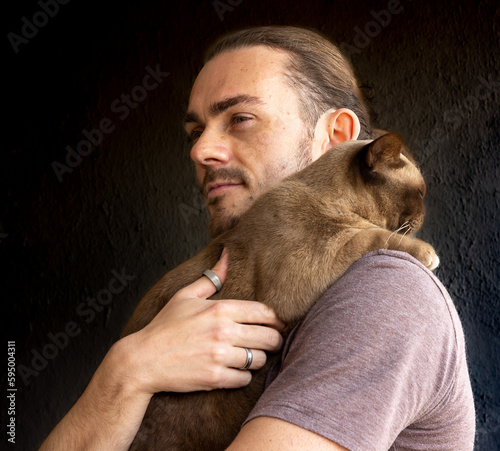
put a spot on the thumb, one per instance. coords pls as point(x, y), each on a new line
point(204, 287)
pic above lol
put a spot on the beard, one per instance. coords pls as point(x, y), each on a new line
point(216, 228)
point(222, 219)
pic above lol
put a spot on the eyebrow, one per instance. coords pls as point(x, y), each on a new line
point(217, 108)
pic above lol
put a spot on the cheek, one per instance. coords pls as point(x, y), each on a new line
point(275, 140)
point(256, 152)
point(270, 153)
point(271, 160)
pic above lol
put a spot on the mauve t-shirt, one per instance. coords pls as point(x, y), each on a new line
point(378, 363)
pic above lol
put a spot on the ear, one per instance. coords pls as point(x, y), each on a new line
point(384, 152)
point(334, 127)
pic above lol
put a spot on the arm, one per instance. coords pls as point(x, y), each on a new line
point(373, 363)
point(273, 434)
point(167, 356)
point(106, 416)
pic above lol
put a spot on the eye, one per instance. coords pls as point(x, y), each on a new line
point(421, 193)
point(240, 119)
point(194, 136)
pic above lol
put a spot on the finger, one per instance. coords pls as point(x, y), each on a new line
point(237, 377)
point(253, 312)
point(257, 337)
point(221, 266)
point(203, 287)
point(233, 378)
point(258, 359)
point(229, 374)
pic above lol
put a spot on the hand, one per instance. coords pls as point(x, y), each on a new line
point(198, 344)
point(192, 344)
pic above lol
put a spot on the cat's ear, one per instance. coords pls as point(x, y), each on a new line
point(384, 152)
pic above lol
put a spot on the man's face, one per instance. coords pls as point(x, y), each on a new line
point(243, 120)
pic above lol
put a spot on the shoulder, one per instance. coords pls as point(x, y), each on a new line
point(384, 338)
point(383, 274)
point(385, 292)
point(391, 307)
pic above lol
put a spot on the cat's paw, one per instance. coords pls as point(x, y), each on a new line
point(434, 262)
point(427, 255)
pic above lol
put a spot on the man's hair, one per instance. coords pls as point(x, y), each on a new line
point(318, 72)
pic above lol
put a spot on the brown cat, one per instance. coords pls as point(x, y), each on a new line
point(287, 249)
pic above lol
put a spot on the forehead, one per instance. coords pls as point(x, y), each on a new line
point(254, 71)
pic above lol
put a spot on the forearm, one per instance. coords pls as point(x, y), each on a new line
point(106, 416)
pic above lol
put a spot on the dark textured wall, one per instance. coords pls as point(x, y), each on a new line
point(130, 206)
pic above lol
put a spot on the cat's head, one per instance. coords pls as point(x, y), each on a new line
point(392, 180)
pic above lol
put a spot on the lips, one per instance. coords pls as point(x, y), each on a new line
point(219, 180)
point(219, 187)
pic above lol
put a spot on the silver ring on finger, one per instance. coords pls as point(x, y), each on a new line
point(249, 359)
point(213, 277)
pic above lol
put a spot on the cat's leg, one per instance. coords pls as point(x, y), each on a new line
point(368, 240)
point(421, 250)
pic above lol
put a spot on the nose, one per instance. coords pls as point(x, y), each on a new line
point(210, 149)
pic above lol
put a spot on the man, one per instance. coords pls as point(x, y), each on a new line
point(379, 362)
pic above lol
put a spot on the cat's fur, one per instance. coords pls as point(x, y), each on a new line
point(287, 249)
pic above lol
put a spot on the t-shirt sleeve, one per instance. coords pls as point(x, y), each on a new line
point(376, 354)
